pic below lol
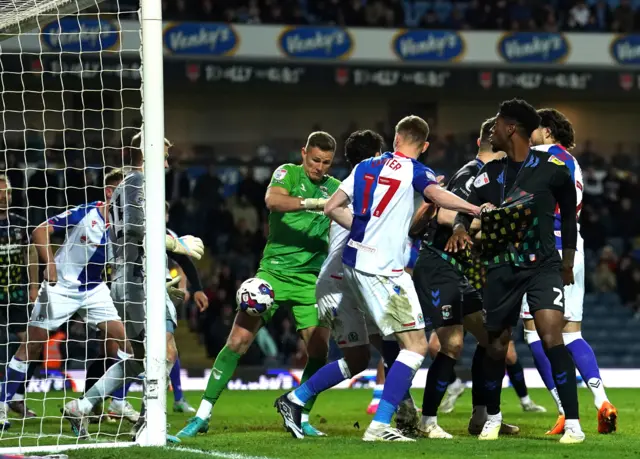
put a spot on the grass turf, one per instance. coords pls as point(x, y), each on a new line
point(246, 426)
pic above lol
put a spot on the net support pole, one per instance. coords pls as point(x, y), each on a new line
point(155, 253)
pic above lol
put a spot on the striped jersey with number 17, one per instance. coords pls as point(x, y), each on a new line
point(381, 192)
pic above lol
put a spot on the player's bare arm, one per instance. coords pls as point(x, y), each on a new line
point(565, 194)
point(42, 244)
point(277, 199)
point(336, 209)
point(422, 218)
point(447, 217)
point(32, 263)
point(448, 200)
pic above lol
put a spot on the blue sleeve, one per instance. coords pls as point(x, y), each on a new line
point(69, 218)
point(422, 177)
point(566, 158)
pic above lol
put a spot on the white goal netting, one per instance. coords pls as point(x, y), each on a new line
point(70, 104)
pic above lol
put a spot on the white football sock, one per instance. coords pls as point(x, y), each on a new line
point(428, 420)
point(556, 398)
point(305, 417)
point(204, 411)
point(597, 389)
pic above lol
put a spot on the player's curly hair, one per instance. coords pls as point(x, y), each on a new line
point(559, 125)
point(485, 132)
point(362, 145)
point(522, 113)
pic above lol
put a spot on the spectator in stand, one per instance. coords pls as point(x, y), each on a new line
point(604, 278)
point(520, 14)
point(579, 16)
point(211, 11)
point(623, 17)
point(602, 15)
point(353, 14)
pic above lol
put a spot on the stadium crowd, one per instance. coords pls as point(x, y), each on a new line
point(522, 15)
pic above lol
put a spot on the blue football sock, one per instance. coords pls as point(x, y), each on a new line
point(323, 379)
point(176, 382)
point(396, 387)
point(390, 351)
point(121, 392)
point(542, 363)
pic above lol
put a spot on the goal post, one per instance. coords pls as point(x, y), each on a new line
point(156, 259)
point(82, 98)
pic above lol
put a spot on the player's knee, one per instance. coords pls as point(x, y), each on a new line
point(417, 344)
point(452, 347)
point(240, 340)
point(497, 348)
point(318, 343)
point(551, 339)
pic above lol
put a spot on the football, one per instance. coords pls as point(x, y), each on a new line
point(255, 296)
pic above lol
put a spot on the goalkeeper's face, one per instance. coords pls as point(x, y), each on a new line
point(316, 162)
point(5, 195)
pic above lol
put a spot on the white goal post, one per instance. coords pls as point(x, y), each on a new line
point(26, 109)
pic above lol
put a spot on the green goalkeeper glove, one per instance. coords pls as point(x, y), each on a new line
point(185, 245)
point(175, 294)
point(314, 203)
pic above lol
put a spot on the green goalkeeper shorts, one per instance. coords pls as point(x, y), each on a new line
point(296, 291)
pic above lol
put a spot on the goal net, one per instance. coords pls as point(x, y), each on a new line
point(72, 99)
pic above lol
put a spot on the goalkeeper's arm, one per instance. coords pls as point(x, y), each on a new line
point(185, 245)
point(278, 199)
point(188, 268)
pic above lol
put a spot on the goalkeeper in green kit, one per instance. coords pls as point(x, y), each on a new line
point(296, 248)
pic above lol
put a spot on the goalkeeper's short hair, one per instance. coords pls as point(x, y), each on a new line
point(114, 177)
point(136, 157)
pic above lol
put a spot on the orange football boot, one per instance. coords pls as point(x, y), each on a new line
point(607, 418)
point(557, 429)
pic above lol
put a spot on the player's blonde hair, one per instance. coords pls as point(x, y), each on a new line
point(136, 153)
point(5, 179)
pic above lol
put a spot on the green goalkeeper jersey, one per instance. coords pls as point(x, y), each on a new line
point(298, 241)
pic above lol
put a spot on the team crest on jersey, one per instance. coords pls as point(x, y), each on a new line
point(481, 180)
point(556, 161)
point(446, 312)
point(280, 174)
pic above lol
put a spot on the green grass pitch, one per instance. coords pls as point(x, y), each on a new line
point(246, 426)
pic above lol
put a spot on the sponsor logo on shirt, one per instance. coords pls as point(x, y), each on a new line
point(556, 161)
point(360, 246)
point(481, 180)
point(279, 175)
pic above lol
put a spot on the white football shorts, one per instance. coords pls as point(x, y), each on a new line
point(392, 302)
point(573, 294)
point(56, 304)
point(350, 326)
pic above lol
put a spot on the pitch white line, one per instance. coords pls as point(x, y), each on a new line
point(213, 453)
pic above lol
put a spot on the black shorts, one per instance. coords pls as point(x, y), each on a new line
point(506, 286)
point(15, 316)
point(444, 293)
